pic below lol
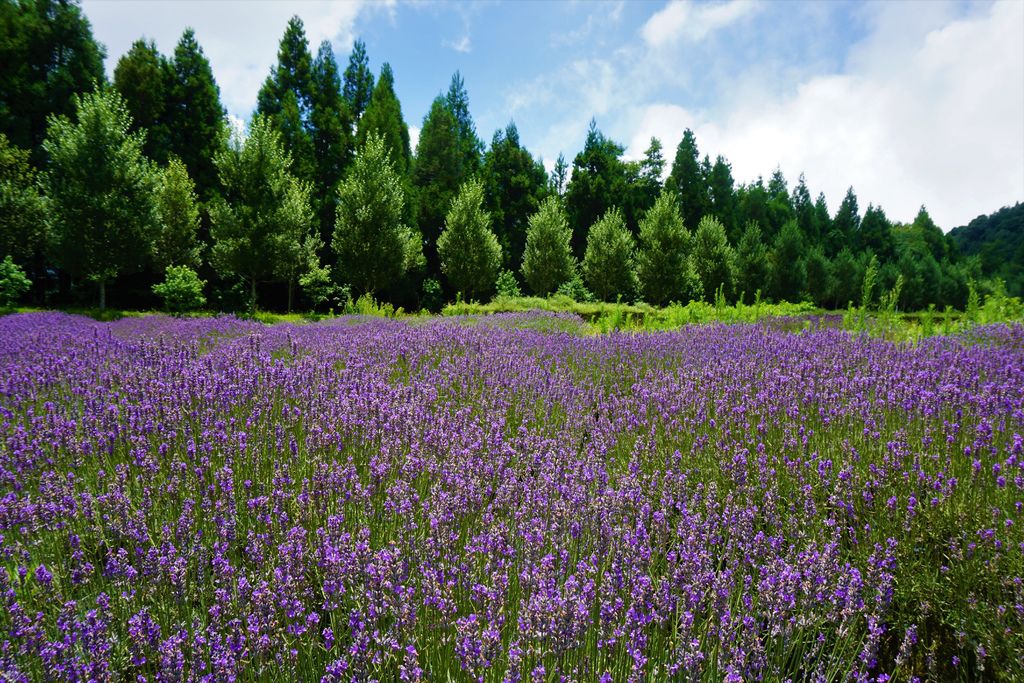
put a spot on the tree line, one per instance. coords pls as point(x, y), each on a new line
point(138, 186)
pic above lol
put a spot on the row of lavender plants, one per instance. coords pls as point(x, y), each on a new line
point(501, 499)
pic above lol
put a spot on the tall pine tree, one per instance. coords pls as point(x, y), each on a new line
point(688, 181)
point(438, 174)
point(383, 117)
point(358, 85)
point(144, 78)
point(331, 128)
point(598, 183)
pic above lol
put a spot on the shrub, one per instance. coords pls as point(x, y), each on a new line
point(13, 283)
point(507, 285)
point(181, 290)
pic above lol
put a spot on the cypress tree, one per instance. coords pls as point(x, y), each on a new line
point(383, 117)
point(722, 198)
point(608, 265)
point(547, 259)
point(144, 78)
point(469, 252)
point(663, 268)
point(688, 181)
point(331, 126)
point(439, 172)
point(358, 85)
point(753, 270)
point(598, 182)
point(712, 258)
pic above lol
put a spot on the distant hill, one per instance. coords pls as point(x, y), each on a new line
point(998, 240)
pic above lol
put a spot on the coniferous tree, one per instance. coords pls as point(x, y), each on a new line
point(559, 176)
point(713, 259)
point(469, 251)
point(847, 274)
point(609, 267)
point(844, 225)
point(358, 84)
point(331, 130)
point(663, 267)
point(102, 190)
point(789, 270)
point(875, 234)
point(24, 209)
point(780, 205)
point(931, 234)
point(753, 268)
point(548, 262)
point(822, 221)
point(598, 182)
point(514, 186)
point(383, 117)
point(261, 224)
point(644, 179)
point(752, 202)
point(175, 241)
point(286, 99)
point(438, 173)
point(470, 146)
point(722, 198)
point(688, 181)
point(48, 56)
point(144, 78)
point(818, 271)
point(195, 118)
point(375, 249)
point(803, 210)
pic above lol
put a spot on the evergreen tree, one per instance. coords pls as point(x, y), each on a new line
point(847, 274)
point(752, 200)
point(438, 174)
point(383, 117)
point(663, 268)
point(47, 56)
point(261, 224)
point(822, 220)
point(547, 259)
point(780, 206)
point(753, 268)
point(803, 210)
point(608, 266)
point(471, 147)
point(374, 248)
point(175, 240)
point(144, 77)
point(286, 99)
point(820, 284)
point(514, 186)
point(598, 182)
point(333, 144)
point(844, 225)
point(469, 251)
point(931, 234)
point(688, 181)
point(722, 198)
point(358, 86)
point(102, 191)
point(559, 176)
point(713, 259)
point(24, 210)
point(789, 270)
point(196, 119)
point(875, 234)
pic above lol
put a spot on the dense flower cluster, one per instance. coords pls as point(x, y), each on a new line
point(497, 500)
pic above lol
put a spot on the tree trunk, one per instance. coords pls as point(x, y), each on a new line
point(291, 289)
point(103, 295)
point(252, 295)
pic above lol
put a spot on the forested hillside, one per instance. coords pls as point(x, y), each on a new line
point(998, 241)
point(136, 189)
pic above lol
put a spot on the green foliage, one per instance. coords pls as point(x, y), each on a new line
point(332, 136)
point(722, 198)
point(514, 186)
point(175, 241)
point(997, 240)
point(753, 268)
point(867, 288)
point(373, 246)
point(507, 285)
point(47, 56)
point(13, 283)
point(102, 189)
point(844, 226)
point(24, 210)
point(574, 289)
point(712, 258)
point(547, 258)
point(439, 172)
point(144, 78)
point(598, 183)
point(820, 282)
point(688, 180)
point(431, 296)
point(261, 225)
point(470, 146)
point(789, 270)
point(875, 234)
point(663, 267)
point(181, 290)
point(196, 120)
point(383, 118)
point(358, 85)
point(469, 251)
point(608, 265)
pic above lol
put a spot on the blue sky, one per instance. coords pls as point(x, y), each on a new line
point(912, 102)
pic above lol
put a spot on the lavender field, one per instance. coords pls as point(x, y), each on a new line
point(507, 499)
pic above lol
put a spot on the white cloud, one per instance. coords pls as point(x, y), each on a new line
point(461, 45)
point(929, 110)
point(692, 21)
point(240, 38)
